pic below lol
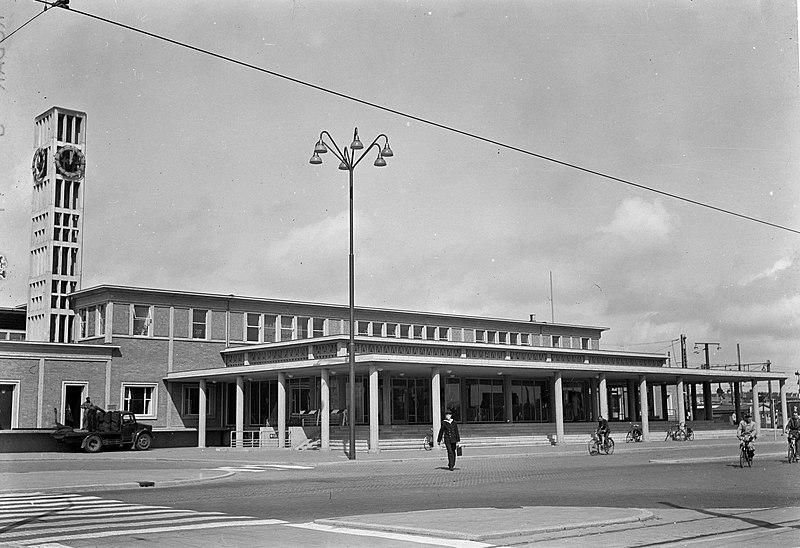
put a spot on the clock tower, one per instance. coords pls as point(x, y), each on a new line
point(59, 166)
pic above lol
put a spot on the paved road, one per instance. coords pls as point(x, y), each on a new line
point(642, 495)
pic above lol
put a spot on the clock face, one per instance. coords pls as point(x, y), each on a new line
point(39, 166)
point(70, 162)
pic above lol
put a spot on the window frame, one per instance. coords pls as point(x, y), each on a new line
point(195, 323)
point(210, 400)
point(148, 320)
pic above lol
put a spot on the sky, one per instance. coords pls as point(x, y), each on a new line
point(198, 177)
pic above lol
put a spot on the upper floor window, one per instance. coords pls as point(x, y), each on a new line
point(199, 323)
point(362, 328)
point(287, 328)
point(270, 328)
point(391, 329)
point(444, 333)
point(556, 341)
point(302, 327)
point(142, 319)
point(585, 343)
point(491, 337)
point(253, 327)
point(405, 331)
point(318, 327)
point(480, 336)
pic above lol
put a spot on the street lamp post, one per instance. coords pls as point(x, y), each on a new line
point(348, 162)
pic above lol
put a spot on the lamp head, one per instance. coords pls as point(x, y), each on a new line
point(320, 147)
point(387, 152)
point(315, 159)
point(379, 161)
point(356, 144)
point(343, 166)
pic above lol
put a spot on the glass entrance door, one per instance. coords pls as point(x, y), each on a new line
point(411, 401)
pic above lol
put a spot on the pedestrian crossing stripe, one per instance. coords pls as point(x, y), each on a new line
point(35, 518)
point(263, 467)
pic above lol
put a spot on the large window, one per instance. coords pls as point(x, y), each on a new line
point(302, 327)
point(199, 322)
point(263, 403)
point(486, 400)
point(191, 400)
point(530, 400)
point(140, 399)
point(142, 320)
point(318, 327)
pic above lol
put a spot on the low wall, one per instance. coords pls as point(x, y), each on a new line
point(40, 441)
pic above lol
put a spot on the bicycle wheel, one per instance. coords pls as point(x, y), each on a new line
point(749, 460)
point(609, 447)
point(629, 438)
point(742, 458)
point(427, 443)
point(690, 436)
point(790, 454)
point(680, 435)
point(594, 448)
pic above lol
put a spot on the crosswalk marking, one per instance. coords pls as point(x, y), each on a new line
point(35, 518)
point(263, 467)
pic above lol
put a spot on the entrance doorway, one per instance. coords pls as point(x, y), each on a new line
point(6, 406)
point(411, 401)
point(73, 396)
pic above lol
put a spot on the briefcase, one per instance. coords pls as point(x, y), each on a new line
point(458, 451)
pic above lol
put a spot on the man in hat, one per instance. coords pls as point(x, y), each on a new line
point(748, 432)
point(793, 429)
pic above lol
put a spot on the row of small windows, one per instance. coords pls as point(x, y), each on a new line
point(267, 328)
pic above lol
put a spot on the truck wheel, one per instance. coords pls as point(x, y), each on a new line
point(92, 444)
point(143, 442)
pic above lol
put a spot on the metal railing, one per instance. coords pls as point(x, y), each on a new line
point(257, 438)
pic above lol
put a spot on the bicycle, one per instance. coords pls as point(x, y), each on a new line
point(792, 454)
point(746, 453)
point(634, 434)
point(427, 441)
point(679, 432)
point(595, 447)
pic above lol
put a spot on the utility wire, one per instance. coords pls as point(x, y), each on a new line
point(426, 121)
point(20, 27)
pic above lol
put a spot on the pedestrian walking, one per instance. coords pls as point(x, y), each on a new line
point(452, 441)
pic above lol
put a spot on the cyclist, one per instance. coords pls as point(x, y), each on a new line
point(748, 432)
point(602, 431)
point(793, 429)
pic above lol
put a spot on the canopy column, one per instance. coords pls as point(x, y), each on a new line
point(201, 414)
point(784, 402)
point(239, 411)
point(681, 410)
point(436, 400)
point(281, 410)
point(602, 394)
point(558, 400)
point(325, 410)
point(709, 411)
point(644, 407)
point(373, 409)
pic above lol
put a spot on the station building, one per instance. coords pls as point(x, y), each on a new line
point(209, 369)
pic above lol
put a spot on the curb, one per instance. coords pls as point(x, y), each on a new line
point(641, 515)
point(117, 486)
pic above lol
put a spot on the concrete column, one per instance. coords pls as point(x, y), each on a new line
point(558, 399)
point(707, 403)
point(754, 404)
point(631, 410)
point(201, 414)
point(325, 410)
point(785, 412)
point(436, 400)
point(595, 400)
point(373, 410)
point(281, 410)
point(693, 400)
point(681, 410)
point(737, 400)
point(602, 393)
point(508, 412)
point(387, 398)
point(664, 402)
point(239, 410)
point(644, 407)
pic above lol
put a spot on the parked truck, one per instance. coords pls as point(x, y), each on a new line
point(119, 428)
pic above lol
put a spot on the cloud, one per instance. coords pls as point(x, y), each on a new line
point(639, 221)
point(779, 266)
